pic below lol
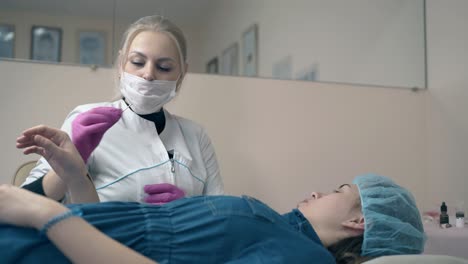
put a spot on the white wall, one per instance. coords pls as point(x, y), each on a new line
point(447, 105)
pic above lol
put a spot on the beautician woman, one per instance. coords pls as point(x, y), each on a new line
point(147, 146)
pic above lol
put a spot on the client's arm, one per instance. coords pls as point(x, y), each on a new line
point(49, 184)
point(87, 130)
point(70, 171)
point(23, 208)
point(53, 186)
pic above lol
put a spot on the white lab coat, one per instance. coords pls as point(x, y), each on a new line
point(131, 154)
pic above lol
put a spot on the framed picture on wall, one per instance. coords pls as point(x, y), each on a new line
point(282, 69)
point(212, 66)
point(7, 41)
point(309, 74)
point(92, 47)
point(46, 43)
point(229, 60)
point(250, 51)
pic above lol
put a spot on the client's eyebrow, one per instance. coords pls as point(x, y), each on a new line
point(343, 185)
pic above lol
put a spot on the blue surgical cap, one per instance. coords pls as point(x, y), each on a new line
point(393, 223)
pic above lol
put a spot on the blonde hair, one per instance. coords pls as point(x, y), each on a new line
point(154, 23)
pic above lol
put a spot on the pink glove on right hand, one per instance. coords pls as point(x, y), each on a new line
point(162, 193)
point(89, 127)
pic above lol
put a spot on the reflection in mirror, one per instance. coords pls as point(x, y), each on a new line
point(46, 43)
point(375, 42)
point(7, 41)
point(60, 21)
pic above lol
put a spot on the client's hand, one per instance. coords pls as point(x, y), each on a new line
point(23, 208)
point(89, 127)
point(56, 147)
point(162, 193)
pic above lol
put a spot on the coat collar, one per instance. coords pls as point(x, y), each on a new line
point(172, 136)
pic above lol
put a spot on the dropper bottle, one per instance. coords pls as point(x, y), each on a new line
point(444, 218)
point(460, 219)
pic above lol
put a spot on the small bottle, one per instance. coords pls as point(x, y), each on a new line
point(444, 218)
point(460, 219)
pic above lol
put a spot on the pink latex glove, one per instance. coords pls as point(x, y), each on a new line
point(89, 127)
point(162, 193)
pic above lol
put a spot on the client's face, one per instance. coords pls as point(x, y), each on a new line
point(330, 211)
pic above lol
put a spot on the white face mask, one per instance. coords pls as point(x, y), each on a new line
point(146, 97)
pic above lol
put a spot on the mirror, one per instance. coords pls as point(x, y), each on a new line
point(373, 42)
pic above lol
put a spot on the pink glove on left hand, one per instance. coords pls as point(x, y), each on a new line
point(162, 193)
point(89, 127)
